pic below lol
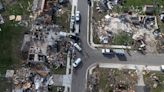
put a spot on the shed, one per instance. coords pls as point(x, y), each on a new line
point(149, 9)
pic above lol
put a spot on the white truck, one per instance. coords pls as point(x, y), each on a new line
point(76, 46)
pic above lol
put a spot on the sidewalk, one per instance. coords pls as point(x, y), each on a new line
point(129, 66)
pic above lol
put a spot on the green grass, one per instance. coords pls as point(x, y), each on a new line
point(142, 2)
point(10, 39)
point(122, 39)
point(11, 35)
point(104, 81)
point(60, 70)
point(19, 7)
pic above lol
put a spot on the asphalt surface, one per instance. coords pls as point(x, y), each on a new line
point(90, 56)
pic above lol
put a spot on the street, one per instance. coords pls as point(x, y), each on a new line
point(90, 56)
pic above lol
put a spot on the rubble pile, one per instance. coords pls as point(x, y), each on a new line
point(140, 27)
point(45, 48)
point(104, 5)
point(153, 80)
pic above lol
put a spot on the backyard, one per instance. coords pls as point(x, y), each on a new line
point(11, 36)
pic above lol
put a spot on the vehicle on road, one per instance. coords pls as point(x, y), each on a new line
point(89, 2)
point(76, 46)
point(75, 38)
point(77, 62)
point(77, 17)
point(106, 51)
point(77, 24)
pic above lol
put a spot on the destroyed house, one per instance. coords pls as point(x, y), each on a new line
point(135, 20)
point(36, 58)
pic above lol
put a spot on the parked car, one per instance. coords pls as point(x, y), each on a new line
point(77, 62)
point(77, 24)
point(72, 23)
point(106, 51)
point(89, 2)
point(75, 38)
point(77, 17)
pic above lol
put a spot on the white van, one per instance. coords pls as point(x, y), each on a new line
point(77, 62)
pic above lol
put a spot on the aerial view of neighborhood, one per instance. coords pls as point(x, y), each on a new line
point(81, 45)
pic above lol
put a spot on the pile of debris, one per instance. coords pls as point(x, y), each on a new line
point(140, 27)
point(153, 80)
point(104, 5)
point(25, 79)
point(46, 48)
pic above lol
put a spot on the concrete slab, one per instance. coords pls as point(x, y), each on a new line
point(67, 79)
point(58, 80)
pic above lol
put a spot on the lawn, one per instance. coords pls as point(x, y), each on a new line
point(122, 39)
point(141, 3)
point(11, 35)
point(60, 70)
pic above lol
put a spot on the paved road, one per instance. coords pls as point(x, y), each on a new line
point(91, 56)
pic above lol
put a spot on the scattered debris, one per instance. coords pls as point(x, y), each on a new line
point(18, 18)
point(12, 17)
point(9, 73)
point(112, 80)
